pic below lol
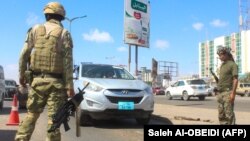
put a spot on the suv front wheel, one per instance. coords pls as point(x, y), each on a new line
point(185, 96)
point(246, 94)
point(201, 97)
point(85, 120)
point(168, 95)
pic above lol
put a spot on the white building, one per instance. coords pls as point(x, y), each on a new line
point(240, 47)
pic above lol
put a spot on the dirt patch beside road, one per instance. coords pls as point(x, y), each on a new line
point(191, 115)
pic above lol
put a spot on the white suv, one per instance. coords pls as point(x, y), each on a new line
point(187, 88)
point(112, 93)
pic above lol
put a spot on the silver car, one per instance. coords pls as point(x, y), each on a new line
point(112, 93)
point(185, 89)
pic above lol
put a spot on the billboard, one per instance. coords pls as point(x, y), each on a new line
point(136, 22)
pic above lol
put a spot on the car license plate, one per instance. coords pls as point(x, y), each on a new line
point(126, 105)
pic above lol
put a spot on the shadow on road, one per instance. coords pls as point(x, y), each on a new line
point(7, 135)
point(160, 120)
point(130, 123)
point(7, 111)
point(117, 124)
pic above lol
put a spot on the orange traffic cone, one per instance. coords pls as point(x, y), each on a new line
point(14, 116)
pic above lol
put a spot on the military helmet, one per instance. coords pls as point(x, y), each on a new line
point(54, 8)
point(223, 50)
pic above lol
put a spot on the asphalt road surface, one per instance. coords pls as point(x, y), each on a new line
point(104, 130)
point(109, 130)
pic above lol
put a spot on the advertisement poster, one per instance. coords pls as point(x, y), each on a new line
point(136, 22)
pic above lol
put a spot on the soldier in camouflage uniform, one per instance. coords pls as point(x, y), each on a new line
point(228, 80)
point(48, 51)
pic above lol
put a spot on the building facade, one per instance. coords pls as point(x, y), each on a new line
point(240, 49)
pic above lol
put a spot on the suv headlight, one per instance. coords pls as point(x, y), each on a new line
point(93, 87)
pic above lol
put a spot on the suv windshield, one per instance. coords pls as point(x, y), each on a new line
point(105, 71)
point(196, 82)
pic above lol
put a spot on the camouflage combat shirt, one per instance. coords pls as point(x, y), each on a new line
point(67, 46)
point(228, 70)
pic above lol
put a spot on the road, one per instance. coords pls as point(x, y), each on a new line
point(111, 130)
point(241, 103)
point(106, 130)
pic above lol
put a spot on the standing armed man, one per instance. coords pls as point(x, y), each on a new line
point(48, 54)
point(227, 84)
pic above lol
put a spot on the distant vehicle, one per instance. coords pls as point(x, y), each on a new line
point(211, 89)
point(243, 89)
point(10, 88)
point(2, 87)
point(112, 95)
point(187, 88)
point(158, 91)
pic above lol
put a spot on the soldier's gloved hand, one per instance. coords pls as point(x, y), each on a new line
point(70, 92)
point(22, 82)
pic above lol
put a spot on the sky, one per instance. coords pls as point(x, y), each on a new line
point(176, 29)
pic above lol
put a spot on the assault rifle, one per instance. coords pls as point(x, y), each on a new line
point(63, 113)
point(214, 75)
point(216, 79)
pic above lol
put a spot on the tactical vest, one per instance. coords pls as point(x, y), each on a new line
point(47, 54)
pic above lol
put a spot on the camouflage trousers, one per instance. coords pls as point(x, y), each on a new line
point(43, 92)
point(225, 109)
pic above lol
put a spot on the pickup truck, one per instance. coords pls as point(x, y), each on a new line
point(243, 89)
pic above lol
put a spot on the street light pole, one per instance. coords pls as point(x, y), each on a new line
point(78, 130)
point(71, 20)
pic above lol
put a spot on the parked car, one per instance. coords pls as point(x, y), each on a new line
point(187, 88)
point(2, 87)
point(116, 96)
point(10, 88)
point(158, 91)
point(243, 89)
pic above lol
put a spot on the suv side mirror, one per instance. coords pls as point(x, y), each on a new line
point(75, 72)
point(75, 76)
